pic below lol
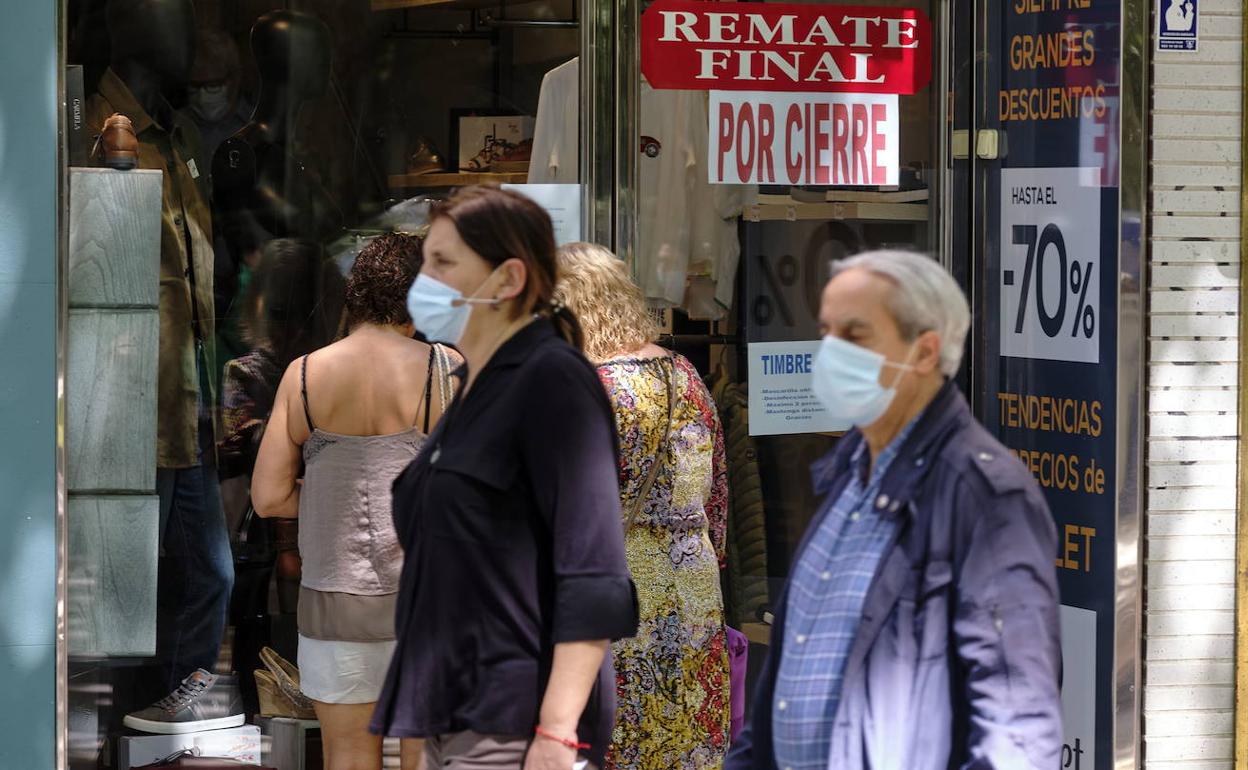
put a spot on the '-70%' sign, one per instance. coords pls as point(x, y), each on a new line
point(1050, 263)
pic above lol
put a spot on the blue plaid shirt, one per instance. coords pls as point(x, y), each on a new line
point(826, 595)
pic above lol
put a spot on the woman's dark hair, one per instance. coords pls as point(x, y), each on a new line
point(500, 225)
point(294, 300)
point(379, 280)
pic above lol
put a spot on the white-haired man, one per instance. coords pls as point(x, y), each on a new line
point(919, 627)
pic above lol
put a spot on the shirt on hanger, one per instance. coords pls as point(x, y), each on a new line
point(556, 154)
point(673, 148)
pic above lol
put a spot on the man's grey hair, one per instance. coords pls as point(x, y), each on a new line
point(924, 298)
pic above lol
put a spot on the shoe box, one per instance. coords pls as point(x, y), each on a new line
point(241, 743)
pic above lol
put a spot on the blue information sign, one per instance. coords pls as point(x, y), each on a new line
point(1177, 24)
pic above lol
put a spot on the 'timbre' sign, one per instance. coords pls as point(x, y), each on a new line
point(702, 46)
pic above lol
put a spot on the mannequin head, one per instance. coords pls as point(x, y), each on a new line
point(157, 36)
point(292, 52)
point(294, 299)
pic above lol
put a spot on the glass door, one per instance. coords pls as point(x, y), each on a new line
point(1058, 324)
point(289, 139)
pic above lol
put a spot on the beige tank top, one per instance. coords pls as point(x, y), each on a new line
point(351, 554)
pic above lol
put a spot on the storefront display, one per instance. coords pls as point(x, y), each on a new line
point(318, 139)
point(730, 155)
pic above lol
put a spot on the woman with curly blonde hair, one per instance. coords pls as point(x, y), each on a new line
point(672, 678)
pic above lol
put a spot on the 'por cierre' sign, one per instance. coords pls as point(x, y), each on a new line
point(846, 140)
point(698, 45)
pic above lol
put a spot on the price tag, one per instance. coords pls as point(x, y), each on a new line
point(1051, 264)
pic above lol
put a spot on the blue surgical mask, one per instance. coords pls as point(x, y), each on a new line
point(847, 381)
point(210, 103)
point(439, 311)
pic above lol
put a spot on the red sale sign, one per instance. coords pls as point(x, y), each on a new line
point(846, 140)
point(700, 46)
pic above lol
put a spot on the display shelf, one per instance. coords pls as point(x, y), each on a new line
point(860, 196)
point(780, 208)
point(415, 181)
point(398, 5)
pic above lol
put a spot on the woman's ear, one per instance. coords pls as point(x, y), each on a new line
point(515, 277)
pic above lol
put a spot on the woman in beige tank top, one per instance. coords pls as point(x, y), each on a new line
point(346, 420)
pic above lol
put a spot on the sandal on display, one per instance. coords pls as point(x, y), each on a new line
point(274, 702)
point(279, 688)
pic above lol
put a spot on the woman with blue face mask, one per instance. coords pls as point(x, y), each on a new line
point(514, 579)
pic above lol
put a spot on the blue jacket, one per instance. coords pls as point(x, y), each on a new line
point(957, 661)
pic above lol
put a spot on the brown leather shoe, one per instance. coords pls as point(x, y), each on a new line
point(117, 143)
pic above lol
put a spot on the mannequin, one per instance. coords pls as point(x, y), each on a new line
point(263, 191)
point(259, 183)
point(153, 47)
point(215, 99)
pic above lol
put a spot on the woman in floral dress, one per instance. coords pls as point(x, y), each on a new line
point(672, 678)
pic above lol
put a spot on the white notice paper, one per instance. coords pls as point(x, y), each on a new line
point(562, 202)
point(1078, 687)
point(782, 401)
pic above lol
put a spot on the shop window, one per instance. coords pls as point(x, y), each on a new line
point(745, 199)
point(287, 139)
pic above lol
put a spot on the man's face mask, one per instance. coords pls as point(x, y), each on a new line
point(210, 103)
point(847, 381)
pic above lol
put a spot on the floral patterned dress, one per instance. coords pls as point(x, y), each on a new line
point(672, 678)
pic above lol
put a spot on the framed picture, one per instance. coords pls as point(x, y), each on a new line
point(490, 140)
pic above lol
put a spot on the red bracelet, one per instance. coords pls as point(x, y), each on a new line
point(570, 744)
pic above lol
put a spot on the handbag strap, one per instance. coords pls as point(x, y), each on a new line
point(660, 452)
point(447, 384)
point(441, 380)
point(429, 373)
point(243, 532)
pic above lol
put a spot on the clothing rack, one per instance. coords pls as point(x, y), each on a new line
point(486, 20)
point(483, 23)
point(699, 339)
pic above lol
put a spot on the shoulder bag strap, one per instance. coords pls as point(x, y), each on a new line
point(660, 452)
point(447, 384)
point(303, 389)
point(428, 399)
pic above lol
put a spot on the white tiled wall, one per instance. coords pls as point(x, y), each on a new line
point(1192, 433)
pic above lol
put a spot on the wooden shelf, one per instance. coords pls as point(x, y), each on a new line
point(780, 208)
point(860, 196)
point(398, 5)
point(430, 181)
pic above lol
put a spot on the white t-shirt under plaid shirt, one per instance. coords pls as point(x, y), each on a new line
point(824, 607)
